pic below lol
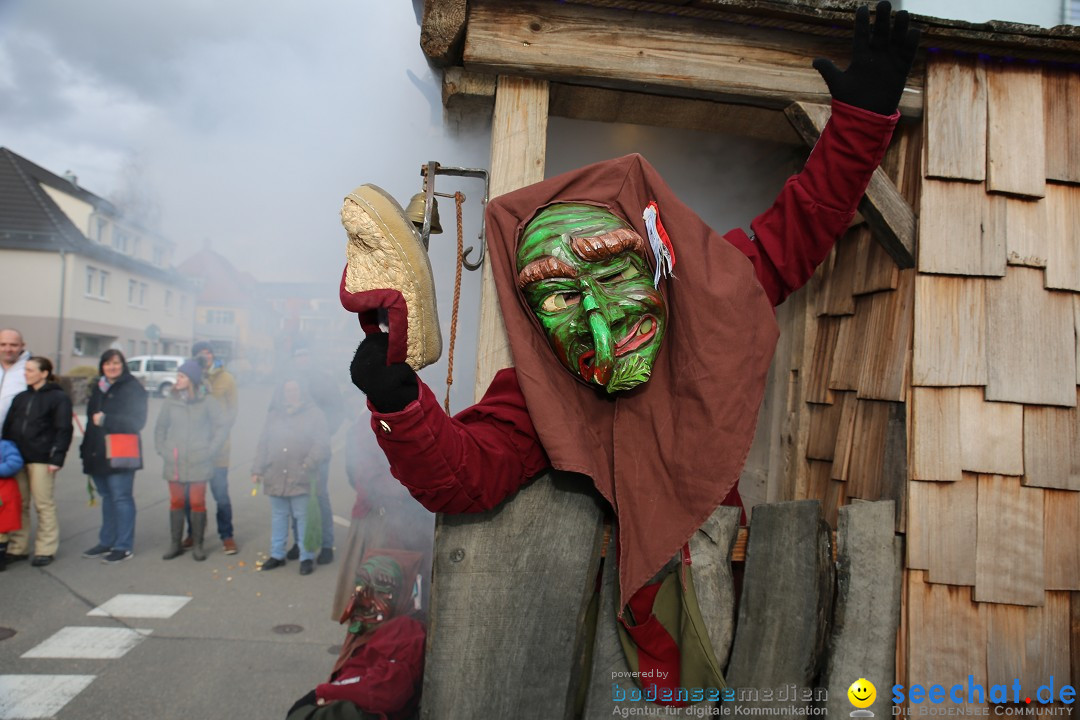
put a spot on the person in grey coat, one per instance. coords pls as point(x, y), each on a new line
point(293, 444)
point(191, 428)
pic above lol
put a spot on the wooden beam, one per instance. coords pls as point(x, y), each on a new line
point(886, 211)
point(598, 104)
point(442, 31)
point(518, 150)
point(657, 53)
point(461, 89)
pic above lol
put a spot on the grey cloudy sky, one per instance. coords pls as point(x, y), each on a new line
point(242, 122)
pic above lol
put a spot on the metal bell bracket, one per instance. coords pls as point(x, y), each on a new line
point(429, 172)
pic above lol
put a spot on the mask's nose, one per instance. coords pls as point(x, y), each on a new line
point(601, 333)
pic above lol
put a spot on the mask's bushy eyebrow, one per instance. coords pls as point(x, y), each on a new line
point(610, 244)
point(544, 268)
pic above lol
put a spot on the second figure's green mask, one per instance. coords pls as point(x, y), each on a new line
point(584, 273)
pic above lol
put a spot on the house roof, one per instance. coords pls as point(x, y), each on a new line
point(221, 282)
point(31, 220)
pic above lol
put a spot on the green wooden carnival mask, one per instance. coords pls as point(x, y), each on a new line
point(585, 274)
point(378, 582)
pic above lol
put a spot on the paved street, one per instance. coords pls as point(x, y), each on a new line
point(206, 642)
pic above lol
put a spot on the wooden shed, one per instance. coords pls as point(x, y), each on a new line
point(932, 361)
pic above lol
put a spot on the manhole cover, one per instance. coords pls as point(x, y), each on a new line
point(334, 649)
point(288, 629)
point(5, 633)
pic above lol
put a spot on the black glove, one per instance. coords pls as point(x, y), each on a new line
point(880, 62)
point(309, 699)
point(389, 387)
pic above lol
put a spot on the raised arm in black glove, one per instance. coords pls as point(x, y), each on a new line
point(389, 387)
point(880, 62)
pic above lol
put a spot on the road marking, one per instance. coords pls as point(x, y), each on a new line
point(141, 606)
point(38, 696)
point(88, 643)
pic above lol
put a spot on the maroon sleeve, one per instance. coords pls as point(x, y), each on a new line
point(795, 235)
point(470, 462)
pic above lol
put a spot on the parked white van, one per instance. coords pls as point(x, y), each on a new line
point(157, 373)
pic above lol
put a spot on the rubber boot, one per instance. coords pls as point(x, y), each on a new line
point(176, 526)
point(198, 530)
point(3, 556)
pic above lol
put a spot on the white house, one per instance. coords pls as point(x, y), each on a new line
point(77, 279)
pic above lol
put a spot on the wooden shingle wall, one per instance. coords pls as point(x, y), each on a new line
point(858, 361)
point(993, 524)
point(975, 351)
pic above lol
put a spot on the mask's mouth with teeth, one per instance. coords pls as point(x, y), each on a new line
point(642, 332)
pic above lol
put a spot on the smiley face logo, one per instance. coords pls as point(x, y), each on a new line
point(862, 693)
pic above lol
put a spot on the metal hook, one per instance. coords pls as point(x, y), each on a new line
point(429, 171)
point(479, 260)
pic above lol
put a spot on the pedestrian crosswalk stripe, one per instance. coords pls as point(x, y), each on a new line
point(88, 643)
point(25, 697)
point(141, 606)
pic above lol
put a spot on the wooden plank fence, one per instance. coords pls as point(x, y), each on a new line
point(815, 612)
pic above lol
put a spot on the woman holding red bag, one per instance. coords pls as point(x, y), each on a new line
point(117, 406)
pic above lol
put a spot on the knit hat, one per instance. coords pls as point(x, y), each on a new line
point(200, 346)
point(193, 370)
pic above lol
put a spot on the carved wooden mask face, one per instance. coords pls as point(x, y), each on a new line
point(585, 275)
point(378, 583)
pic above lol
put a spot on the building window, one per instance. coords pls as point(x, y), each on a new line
point(120, 241)
point(159, 256)
point(88, 345)
point(168, 302)
point(142, 347)
point(135, 247)
point(183, 303)
point(131, 348)
point(220, 317)
point(97, 282)
point(101, 229)
point(133, 287)
point(142, 294)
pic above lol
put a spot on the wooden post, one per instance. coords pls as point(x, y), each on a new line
point(786, 602)
point(518, 152)
point(867, 614)
point(510, 586)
